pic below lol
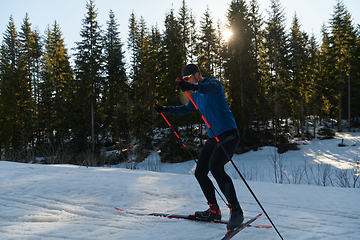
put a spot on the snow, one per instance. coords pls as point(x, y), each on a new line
point(67, 202)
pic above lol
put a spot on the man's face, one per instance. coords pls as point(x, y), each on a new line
point(193, 78)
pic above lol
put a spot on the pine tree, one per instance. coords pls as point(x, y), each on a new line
point(142, 83)
point(145, 50)
point(136, 42)
point(168, 94)
point(116, 87)
point(241, 66)
point(207, 45)
point(144, 86)
point(190, 53)
point(173, 59)
point(15, 95)
point(300, 85)
point(326, 77)
point(277, 52)
point(313, 67)
point(192, 48)
point(343, 37)
point(133, 46)
point(220, 44)
point(355, 73)
point(89, 77)
point(56, 89)
point(154, 66)
point(260, 101)
point(31, 52)
point(29, 69)
point(184, 23)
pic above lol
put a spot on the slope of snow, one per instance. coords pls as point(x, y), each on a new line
point(67, 202)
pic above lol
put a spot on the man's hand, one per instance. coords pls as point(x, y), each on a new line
point(186, 86)
point(160, 109)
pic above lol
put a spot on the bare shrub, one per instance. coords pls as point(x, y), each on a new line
point(322, 174)
point(343, 177)
point(278, 162)
point(23, 156)
point(153, 164)
point(54, 154)
point(355, 172)
point(296, 174)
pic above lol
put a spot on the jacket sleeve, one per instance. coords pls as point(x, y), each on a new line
point(182, 110)
point(211, 86)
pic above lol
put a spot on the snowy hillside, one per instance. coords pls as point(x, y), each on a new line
point(65, 202)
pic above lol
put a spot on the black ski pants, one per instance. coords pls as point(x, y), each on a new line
point(212, 158)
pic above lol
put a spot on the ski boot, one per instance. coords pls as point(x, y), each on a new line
point(213, 213)
point(236, 216)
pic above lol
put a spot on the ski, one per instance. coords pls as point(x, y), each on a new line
point(181, 216)
point(230, 234)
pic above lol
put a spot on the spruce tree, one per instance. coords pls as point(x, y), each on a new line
point(240, 66)
point(260, 101)
point(300, 84)
point(343, 37)
point(207, 45)
point(116, 87)
point(29, 70)
point(192, 48)
point(184, 22)
point(155, 72)
point(89, 78)
point(326, 77)
point(15, 95)
point(313, 67)
point(168, 94)
point(277, 51)
point(173, 59)
point(355, 72)
point(133, 47)
point(56, 89)
point(141, 84)
point(219, 67)
point(190, 52)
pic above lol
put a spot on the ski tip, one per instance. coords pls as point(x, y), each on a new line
point(119, 209)
point(262, 226)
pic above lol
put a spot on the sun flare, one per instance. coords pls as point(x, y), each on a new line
point(227, 34)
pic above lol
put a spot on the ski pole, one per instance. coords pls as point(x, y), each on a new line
point(232, 162)
point(191, 155)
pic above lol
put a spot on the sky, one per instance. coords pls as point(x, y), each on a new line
point(69, 13)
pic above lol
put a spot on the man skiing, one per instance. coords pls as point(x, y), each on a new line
point(210, 98)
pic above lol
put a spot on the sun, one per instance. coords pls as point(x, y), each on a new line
point(227, 33)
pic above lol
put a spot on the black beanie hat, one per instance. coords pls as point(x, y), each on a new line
point(190, 69)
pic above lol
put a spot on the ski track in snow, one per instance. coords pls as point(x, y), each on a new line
point(64, 202)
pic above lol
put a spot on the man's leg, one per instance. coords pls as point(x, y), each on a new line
point(201, 174)
point(202, 170)
point(216, 165)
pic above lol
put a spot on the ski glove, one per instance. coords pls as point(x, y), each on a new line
point(160, 109)
point(186, 86)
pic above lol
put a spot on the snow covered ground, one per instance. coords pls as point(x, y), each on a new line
point(67, 202)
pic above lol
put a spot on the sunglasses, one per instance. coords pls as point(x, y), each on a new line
point(187, 78)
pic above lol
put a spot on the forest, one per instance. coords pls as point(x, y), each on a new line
point(75, 109)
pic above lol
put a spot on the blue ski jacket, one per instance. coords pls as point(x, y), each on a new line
point(211, 101)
